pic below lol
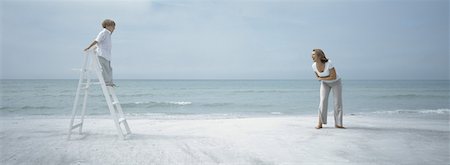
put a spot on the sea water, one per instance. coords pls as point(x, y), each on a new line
point(226, 97)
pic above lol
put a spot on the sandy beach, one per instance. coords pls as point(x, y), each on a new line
point(257, 140)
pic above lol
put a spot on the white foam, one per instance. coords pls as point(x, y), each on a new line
point(276, 113)
point(424, 111)
point(180, 102)
point(169, 102)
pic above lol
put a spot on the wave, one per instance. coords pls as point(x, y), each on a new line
point(217, 104)
point(424, 111)
point(137, 95)
point(276, 113)
point(265, 91)
point(58, 95)
point(412, 96)
point(26, 107)
point(151, 104)
point(35, 107)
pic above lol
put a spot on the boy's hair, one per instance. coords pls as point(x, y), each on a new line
point(108, 22)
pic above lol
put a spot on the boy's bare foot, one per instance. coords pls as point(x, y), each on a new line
point(111, 85)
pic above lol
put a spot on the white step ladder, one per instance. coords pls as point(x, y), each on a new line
point(91, 65)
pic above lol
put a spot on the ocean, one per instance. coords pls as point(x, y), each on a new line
point(226, 97)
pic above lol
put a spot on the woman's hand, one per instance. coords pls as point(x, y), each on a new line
point(332, 75)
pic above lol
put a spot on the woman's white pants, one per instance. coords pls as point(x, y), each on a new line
point(325, 88)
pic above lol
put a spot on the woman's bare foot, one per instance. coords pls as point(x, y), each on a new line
point(319, 126)
point(342, 127)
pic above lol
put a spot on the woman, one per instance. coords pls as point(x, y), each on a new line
point(329, 80)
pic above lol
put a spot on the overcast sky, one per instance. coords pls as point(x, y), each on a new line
point(226, 39)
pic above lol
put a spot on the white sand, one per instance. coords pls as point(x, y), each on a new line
point(270, 140)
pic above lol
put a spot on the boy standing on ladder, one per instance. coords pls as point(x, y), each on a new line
point(104, 45)
point(101, 58)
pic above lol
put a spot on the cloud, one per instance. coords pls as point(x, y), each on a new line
point(228, 39)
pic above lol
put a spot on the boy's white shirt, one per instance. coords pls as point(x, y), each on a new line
point(104, 44)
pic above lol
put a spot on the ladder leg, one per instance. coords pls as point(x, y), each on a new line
point(119, 109)
point(115, 117)
point(74, 110)
point(114, 114)
point(77, 95)
point(108, 100)
point(83, 111)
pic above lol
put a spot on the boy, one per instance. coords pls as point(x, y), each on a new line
point(103, 42)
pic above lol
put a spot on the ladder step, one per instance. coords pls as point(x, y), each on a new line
point(76, 126)
point(83, 70)
point(92, 83)
point(115, 103)
point(122, 120)
point(89, 70)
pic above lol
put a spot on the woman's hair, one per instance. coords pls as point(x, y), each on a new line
point(108, 22)
point(321, 55)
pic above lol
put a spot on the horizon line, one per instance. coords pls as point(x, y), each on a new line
point(231, 79)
